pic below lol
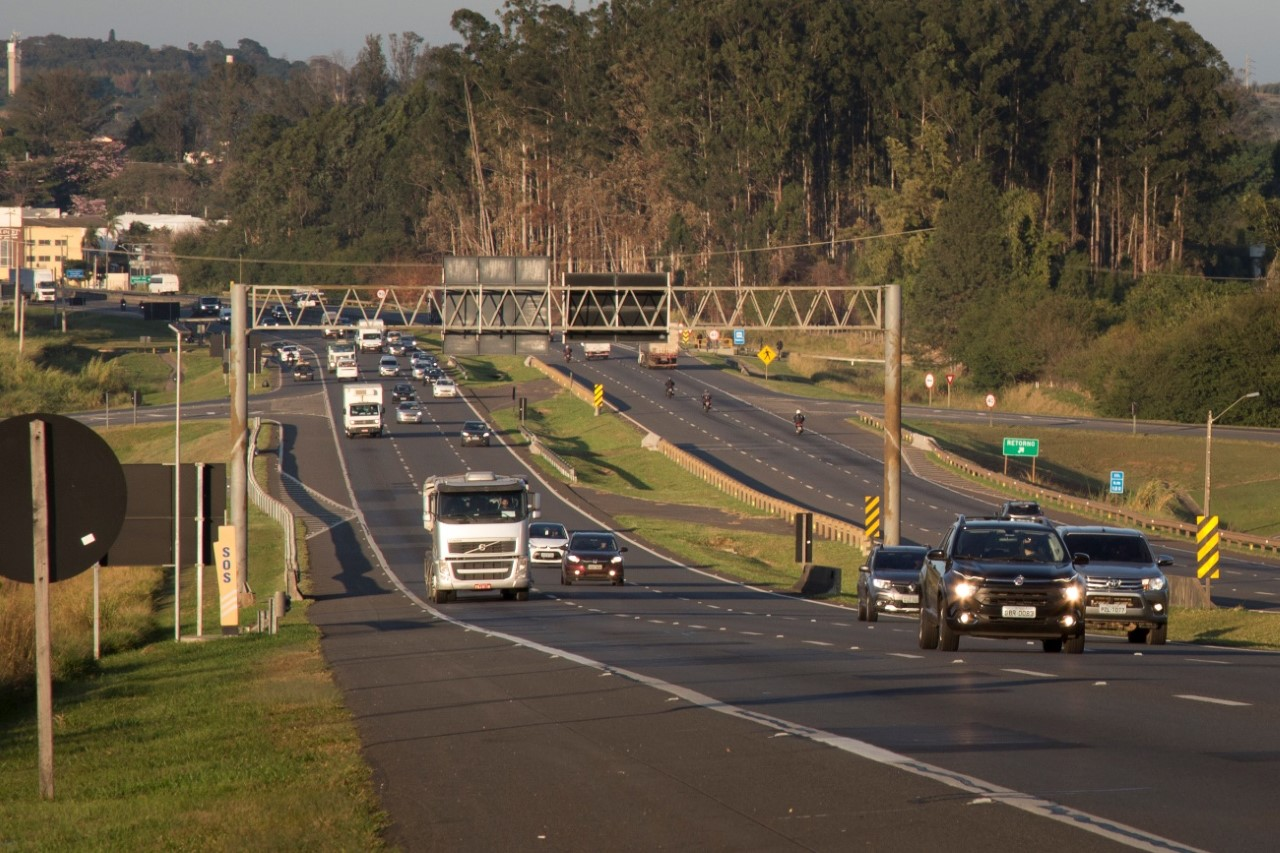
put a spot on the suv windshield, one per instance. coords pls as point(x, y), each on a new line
point(1010, 544)
point(1110, 547)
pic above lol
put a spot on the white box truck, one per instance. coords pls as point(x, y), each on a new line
point(163, 283)
point(597, 349)
point(362, 409)
point(479, 528)
point(32, 280)
point(369, 334)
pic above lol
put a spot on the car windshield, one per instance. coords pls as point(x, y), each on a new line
point(408, 407)
point(481, 506)
point(1110, 547)
point(1011, 544)
point(899, 559)
point(546, 531)
point(593, 543)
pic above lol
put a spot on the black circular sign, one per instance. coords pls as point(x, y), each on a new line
point(87, 497)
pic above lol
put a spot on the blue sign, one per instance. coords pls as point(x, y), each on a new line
point(75, 273)
point(739, 337)
point(1117, 482)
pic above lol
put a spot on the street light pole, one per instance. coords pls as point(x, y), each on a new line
point(1208, 446)
point(177, 491)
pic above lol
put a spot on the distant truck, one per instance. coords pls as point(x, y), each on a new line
point(338, 351)
point(369, 335)
point(479, 526)
point(362, 409)
point(46, 291)
point(163, 283)
point(31, 280)
point(659, 355)
point(596, 350)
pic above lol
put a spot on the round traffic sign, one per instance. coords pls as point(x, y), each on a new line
point(991, 401)
point(86, 490)
point(714, 334)
point(382, 293)
point(928, 380)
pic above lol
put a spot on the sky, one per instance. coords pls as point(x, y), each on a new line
point(1244, 31)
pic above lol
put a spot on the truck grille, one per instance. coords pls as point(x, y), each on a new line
point(481, 570)
point(484, 547)
point(1003, 594)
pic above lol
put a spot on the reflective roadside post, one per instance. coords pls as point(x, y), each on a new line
point(1208, 444)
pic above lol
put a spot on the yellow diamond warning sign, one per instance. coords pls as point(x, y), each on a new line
point(766, 354)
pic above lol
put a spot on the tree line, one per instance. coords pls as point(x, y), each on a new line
point(1050, 180)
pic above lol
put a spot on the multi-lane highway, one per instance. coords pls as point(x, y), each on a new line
point(1163, 748)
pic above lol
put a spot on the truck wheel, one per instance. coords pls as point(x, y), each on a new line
point(522, 594)
point(862, 607)
point(1138, 635)
point(873, 615)
point(1157, 635)
point(1075, 645)
point(1052, 646)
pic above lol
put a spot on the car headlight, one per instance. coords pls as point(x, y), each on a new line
point(573, 558)
point(616, 560)
point(1073, 593)
point(1154, 584)
point(965, 589)
point(881, 583)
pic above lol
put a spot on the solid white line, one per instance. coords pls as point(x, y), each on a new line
point(905, 655)
point(817, 643)
point(1202, 660)
point(1211, 700)
point(1032, 673)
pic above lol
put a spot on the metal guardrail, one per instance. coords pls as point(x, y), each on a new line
point(278, 512)
point(537, 448)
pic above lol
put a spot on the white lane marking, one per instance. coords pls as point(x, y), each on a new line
point(1212, 700)
point(903, 655)
point(1031, 672)
point(1203, 660)
point(818, 642)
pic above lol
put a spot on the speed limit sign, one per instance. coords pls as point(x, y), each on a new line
point(991, 401)
point(928, 380)
point(382, 294)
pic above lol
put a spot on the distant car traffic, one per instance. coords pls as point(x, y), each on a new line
point(547, 541)
point(592, 554)
point(444, 387)
point(1022, 511)
point(402, 391)
point(207, 306)
point(475, 432)
point(388, 365)
point(303, 372)
point(409, 412)
point(1126, 587)
point(289, 353)
point(890, 581)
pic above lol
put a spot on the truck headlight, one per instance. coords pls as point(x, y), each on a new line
point(1154, 584)
point(965, 590)
point(881, 583)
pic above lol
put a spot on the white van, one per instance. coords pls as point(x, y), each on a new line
point(163, 283)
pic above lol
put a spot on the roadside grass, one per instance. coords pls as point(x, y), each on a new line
point(1164, 474)
point(230, 743)
point(606, 454)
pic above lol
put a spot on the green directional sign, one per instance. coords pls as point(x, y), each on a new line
point(139, 279)
point(1022, 447)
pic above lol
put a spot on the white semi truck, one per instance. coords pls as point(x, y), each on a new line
point(479, 528)
point(369, 334)
point(362, 409)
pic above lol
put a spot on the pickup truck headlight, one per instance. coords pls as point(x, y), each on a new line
point(965, 590)
point(881, 583)
point(1154, 584)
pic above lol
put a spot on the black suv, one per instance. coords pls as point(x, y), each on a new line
point(890, 581)
point(1003, 579)
point(1022, 511)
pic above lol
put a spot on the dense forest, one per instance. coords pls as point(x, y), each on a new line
point(1068, 190)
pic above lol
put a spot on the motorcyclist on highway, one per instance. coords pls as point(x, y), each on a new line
point(706, 401)
point(568, 353)
point(798, 420)
point(671, 387)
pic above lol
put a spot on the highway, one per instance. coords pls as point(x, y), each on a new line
point(1159, 748)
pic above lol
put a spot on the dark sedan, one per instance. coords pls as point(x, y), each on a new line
point(476, 432)
point(592, 554)
point(890, 581)
point(403, 391)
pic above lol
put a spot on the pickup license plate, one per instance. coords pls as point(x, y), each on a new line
point(484, 586)
point(1112, 609)
point(1010, 612)
point(910, 599)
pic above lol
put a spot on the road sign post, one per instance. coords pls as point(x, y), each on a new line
point(928, 383)
point(1117, 482)
point(1022, 447)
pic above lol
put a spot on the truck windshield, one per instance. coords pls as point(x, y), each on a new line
point(481, 506)
point(364, 409)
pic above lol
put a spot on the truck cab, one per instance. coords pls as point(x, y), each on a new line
point(479, 527)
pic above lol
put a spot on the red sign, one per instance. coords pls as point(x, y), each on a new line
point(951, 377)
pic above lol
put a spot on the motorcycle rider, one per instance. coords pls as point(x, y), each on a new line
point(798, 420)
point(671, 387)
point(568, 353)
point(706, 401)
